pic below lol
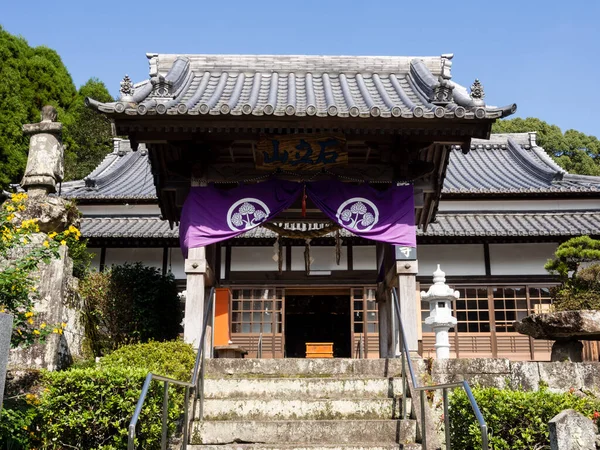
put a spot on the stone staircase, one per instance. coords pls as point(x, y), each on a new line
point(303, 404)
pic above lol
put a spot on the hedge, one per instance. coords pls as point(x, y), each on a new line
point(517, 419)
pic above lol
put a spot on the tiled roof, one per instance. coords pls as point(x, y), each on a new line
point(342, 86)
point(122, 175)
point(516, 224)
point(447, 225)
point(127, 227)
point(510, 164)
point(507, 164)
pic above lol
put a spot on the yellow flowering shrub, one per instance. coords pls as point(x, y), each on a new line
point(17, 291)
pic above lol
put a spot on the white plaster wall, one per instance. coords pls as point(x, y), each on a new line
point(149, 256)
point(175, 263)
point(520, 259)
point(364, 257)
point(253, 259)
point(324, 258)
point(223, 262)
point(95, 265)
point(454, 259)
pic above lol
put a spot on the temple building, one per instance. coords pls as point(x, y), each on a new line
point(492, 236)
point(310, 152)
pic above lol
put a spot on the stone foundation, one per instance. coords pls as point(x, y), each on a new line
point(527, 375)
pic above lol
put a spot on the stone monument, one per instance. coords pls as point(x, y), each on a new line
point(5, 332)
point(570, 430)
point(566, 328)
point(55, 284)
point(45, 163)
point(440, 297)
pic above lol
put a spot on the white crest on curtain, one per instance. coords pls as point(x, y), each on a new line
point(358, 214)
point(247, 213)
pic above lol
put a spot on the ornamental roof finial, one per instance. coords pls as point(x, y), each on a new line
point(126, 89)
point(477, 92)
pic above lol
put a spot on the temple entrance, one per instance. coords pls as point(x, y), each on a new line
point(324, 318)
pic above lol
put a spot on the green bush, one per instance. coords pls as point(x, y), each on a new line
point(90, 407)
point(129, 304)
point(518, 419)
point(156, 357)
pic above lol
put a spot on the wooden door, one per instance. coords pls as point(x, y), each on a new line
point(256, 311)
point(365, 323)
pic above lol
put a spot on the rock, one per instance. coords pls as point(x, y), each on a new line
point(570, 430)
point(567, 351)
point(6, 321)
point(561, 376)
point(563, 325)
point(57, 304)
point(52, 213)
point(524, 375)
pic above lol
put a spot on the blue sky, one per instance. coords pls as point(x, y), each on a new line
point(542, 55)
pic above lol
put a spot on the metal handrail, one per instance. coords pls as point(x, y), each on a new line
point(405, 355)
point(259, 347)
point(194, 387)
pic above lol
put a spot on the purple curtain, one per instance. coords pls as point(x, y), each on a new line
point(212, 215)
point(387, 216)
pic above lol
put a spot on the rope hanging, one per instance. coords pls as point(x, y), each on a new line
point(338, 247)
point(307, 260)
point(279, 256)
point(299, 234)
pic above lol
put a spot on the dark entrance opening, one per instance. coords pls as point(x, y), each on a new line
point(317, 318)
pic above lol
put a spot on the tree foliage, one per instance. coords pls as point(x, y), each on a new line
point(577, 263)
point(573, 150)
point(129, 304)
point(31, 77)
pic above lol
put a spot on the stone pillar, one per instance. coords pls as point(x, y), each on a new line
point(5, 333)
point(45, 163)
point(440, 297)
point(570, 430)
point(407, 291)
point(196, 301)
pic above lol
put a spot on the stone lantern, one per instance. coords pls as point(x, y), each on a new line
point(440, 297)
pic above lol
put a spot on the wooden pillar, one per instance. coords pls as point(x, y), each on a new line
point(387, 334)
point(196, 269)
point(401, 274)
point(409, 310)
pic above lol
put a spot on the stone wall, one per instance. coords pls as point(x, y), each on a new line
point(527, 375)
point(57, 304)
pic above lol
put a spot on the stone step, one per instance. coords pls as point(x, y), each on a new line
point(322, 432)
point(354, 446)
point(275, 409)
point(301, 367)
point(290, 388)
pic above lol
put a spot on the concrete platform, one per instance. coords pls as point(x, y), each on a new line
point(299, 368)
point(306, 447)
point(289, 388)
point(337, 432)
point(320, 409)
